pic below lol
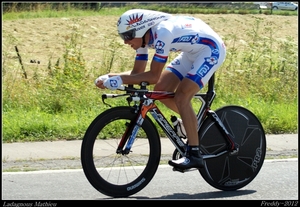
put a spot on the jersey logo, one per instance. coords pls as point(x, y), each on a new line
point(203, 70)
point(206, 66)
point(186, 38)
point(195, 40)
point(215, 51)
point(212, 60)
point(188, 25)
point(159, 47)
point(175, 62)
point(113, 83)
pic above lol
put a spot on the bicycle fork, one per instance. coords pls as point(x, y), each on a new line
point(130, 134)
point(134, 126)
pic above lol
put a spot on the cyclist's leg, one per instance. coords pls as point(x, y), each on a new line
point(205, 63)
point(168, 82)
point(185, 91)
point(204, 66)
point(183, 96)
point(171, 77)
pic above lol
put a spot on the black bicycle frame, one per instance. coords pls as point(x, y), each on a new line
point(169, 130)
point(147, 104)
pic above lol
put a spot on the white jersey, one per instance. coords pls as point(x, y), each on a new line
point(200, 46)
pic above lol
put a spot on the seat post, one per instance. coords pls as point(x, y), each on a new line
point(211, 84)
point(210, 94)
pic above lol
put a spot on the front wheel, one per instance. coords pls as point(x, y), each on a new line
point(232, 171)
point(119, 174)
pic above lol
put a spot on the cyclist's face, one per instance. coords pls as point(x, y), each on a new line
point(135, 43)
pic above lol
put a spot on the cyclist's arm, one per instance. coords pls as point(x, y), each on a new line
point(150, 76)
point(158, 62)
point(140, 63)
point(139, 67)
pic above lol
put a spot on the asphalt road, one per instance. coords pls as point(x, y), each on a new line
point(48, 155)
point(277, 180)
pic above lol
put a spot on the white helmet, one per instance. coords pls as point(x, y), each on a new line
point(136, 22)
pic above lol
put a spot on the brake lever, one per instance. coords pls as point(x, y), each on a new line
point(104, 96)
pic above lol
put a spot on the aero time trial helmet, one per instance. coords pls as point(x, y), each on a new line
point(135, 23)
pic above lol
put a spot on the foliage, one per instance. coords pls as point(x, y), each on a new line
point(37, 10)
point(59, 101)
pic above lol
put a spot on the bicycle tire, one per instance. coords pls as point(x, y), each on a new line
point(113, 174)
point(231, 172)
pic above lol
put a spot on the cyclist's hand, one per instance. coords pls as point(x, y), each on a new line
point(100, 80)
point(113, 83)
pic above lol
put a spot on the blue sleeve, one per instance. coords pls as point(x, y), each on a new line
point(160, 58)
point(141, 57)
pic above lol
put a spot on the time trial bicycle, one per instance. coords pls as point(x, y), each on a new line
point(121, 149)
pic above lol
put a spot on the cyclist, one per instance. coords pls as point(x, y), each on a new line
point(201, 53)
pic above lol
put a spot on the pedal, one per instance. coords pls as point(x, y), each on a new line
point(184, 170)
point(178, 170)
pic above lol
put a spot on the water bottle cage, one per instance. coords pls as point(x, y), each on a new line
point(178, 127)
point(182, 137)
point(179, 131)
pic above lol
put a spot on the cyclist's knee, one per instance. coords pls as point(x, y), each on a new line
point(167, 82)
point(158, 87)
point(184, 95)
point(182, 100)
point(162, 86)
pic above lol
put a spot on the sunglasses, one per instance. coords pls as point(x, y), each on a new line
point(129, 35)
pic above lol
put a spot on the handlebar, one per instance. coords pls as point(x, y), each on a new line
point(138, 94)
point(130, 90)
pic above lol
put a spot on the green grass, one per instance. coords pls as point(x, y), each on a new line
point(48, 10)
point(37, 125)
point(63, 102)
point(60, 14)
